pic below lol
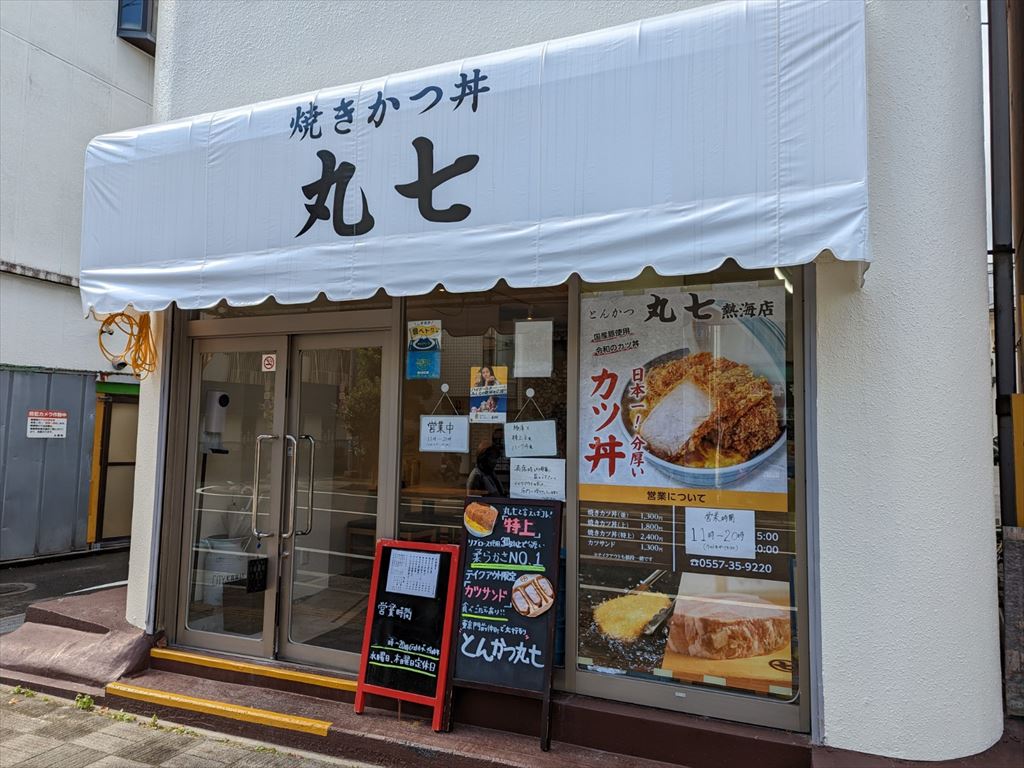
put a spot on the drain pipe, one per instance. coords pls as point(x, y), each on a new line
point(1002, 253)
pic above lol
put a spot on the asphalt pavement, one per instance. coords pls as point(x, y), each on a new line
point(27, 583)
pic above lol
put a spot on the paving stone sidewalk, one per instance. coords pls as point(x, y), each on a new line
point(38, 731)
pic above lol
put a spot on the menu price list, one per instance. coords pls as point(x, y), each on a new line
point(630, 534)
point(658, 537)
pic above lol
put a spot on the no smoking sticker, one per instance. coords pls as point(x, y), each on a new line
point(269, 363)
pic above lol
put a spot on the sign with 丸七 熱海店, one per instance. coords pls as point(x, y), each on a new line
point(444, 434)
point(47, 424)
point(508, 596)
point(652, 394)
point(408, 628)
point(468, 172)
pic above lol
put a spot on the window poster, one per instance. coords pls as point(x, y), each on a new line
point(685, 532)
point(488, 394)
point(423, 355)
point(534, 348)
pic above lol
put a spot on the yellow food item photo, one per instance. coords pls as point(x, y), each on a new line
point(624, 618)
point(480, 518)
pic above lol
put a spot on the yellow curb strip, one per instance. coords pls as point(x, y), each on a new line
point(248, 668)
point(219, 708)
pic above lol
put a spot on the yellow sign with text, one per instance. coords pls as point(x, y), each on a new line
point(684, 497)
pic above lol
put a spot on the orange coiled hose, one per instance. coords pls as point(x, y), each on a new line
point(139, 350)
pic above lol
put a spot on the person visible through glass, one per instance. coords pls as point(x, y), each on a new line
point(483, 480)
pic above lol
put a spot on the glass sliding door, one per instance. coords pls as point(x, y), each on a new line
point(337, 418)
point(290, 482)
point(237, 446)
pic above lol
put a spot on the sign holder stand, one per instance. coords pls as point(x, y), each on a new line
point(545, 693)
point(438, 700)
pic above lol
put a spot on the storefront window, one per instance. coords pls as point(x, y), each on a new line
point(687, 518)
point(477, 356)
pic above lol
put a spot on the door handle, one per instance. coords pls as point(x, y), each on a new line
point(309, 489)
point(256, 486)
point(293, 445)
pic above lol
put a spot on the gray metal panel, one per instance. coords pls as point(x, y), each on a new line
point(85, 462)
point(23, 469)
point(5, 412)
point(44, 483)
point(60, 501)
point(5, 417)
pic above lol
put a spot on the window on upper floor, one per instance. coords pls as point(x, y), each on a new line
point(136, 23)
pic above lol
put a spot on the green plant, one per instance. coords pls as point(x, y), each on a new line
point(262, 748)
point(153, 722)
point(24, 691)
point(123, 717)
point(182, 730)
point(84, 702)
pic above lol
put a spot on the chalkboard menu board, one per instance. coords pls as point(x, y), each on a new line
point(508, 589)
point(408, 624)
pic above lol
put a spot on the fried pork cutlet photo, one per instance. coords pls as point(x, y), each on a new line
point(707, 412)
point(624, 618)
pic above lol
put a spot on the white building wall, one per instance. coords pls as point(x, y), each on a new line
point(65, 77)
point(41, 324)
point(910, 663)
point(909, 620)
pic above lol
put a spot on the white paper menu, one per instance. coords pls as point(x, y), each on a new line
point(533, 348)
point(413, 573)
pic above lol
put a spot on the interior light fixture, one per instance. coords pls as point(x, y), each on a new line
point(785, 279)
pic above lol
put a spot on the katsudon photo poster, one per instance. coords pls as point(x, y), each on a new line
point(686, 539)
point(683, 396)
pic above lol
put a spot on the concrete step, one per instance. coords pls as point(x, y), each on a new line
point(75, 644)
point(281, 676)
point(66, 689)
point(98, 612)
point(331, 727)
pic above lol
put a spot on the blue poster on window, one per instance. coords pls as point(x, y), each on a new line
point(423, 356)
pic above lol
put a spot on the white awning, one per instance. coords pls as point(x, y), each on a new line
point(737, 130)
